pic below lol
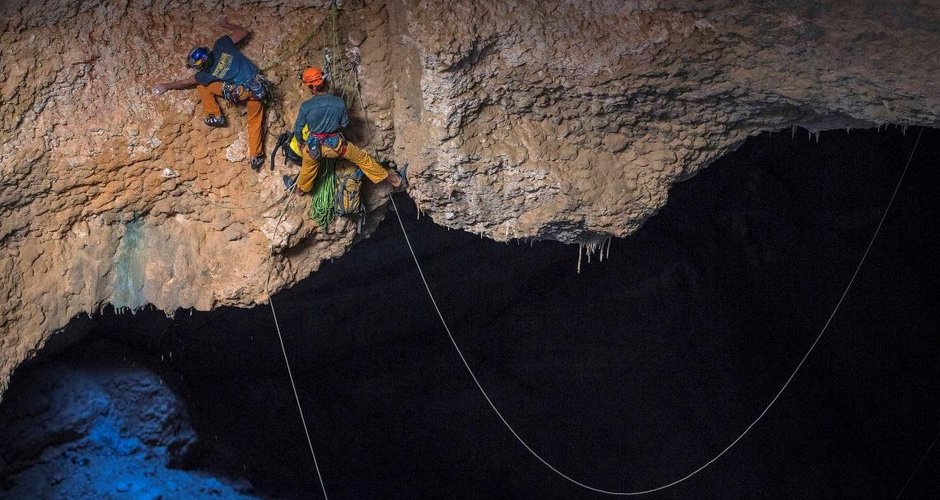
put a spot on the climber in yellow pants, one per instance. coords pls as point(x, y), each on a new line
point(345, 149)
point(316, 132)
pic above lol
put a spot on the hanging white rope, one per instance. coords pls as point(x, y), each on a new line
point(917, 468)
point(740, 436)
point(280, 338)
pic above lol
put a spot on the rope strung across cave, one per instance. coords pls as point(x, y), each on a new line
point(918, 466)
point(740, 436)
point(280, 337)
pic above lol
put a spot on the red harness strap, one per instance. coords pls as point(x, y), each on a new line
point(340, 148)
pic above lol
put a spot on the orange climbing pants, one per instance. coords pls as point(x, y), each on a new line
point(207, 94)
point(308, 169)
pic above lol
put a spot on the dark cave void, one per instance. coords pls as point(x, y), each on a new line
point(626, 376)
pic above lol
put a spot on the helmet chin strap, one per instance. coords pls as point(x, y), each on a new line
point(203, 64)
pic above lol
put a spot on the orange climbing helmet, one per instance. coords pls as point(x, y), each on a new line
point(313, 77)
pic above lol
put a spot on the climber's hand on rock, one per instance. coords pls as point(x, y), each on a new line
point(222, 20)
point(159, 88)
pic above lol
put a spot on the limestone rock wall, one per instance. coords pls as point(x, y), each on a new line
point(524, 119)
point(89, 218)
point(569, 119)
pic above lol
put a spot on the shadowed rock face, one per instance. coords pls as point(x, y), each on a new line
point(549, 120)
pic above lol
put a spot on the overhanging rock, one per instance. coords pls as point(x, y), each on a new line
point(554, 120)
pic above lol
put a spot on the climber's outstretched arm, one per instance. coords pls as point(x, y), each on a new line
point(175, 85)
point(237, 34)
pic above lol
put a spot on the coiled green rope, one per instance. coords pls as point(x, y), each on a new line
point(324, 194)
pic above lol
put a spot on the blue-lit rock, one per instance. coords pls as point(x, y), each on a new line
point(101, 425)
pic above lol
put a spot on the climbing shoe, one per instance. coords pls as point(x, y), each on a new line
point(403, 175)
point(257, 162)
point(402, 172)
point(289, 182)
point(215, 121)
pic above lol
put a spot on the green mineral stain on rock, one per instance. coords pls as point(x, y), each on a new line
point(129, 270)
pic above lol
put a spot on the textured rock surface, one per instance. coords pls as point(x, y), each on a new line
point(633, 372)
point(84, 428)
point(559, 120)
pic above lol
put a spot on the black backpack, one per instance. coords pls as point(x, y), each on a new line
point(283, 143)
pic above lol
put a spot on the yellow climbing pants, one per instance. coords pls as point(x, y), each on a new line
point(308, 169)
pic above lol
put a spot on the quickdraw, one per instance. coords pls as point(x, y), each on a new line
point(231, 92)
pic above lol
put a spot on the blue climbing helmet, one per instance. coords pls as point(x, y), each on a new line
point(199, 58)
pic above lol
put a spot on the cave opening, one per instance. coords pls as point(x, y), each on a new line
point(626, 376)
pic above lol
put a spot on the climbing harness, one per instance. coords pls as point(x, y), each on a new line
point(332, 140)
point(740, 436)
point(232, 92)
point(258, 87)
point(261, 88)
